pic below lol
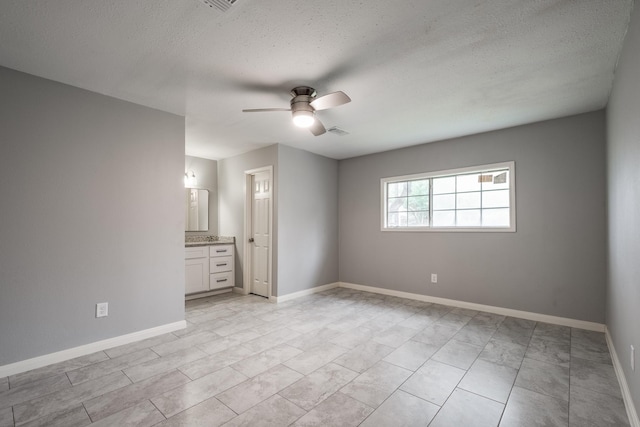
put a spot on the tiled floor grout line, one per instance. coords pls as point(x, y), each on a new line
point(158, 409)
point(467, 370)
point(278, 393)
point(516, 377)
point(430, 358)
point(570, 364)
point(86, 412)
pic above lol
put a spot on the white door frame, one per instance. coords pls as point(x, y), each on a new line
point(248, 213)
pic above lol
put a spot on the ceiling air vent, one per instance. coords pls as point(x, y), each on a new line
point(223, 5)
point(337, 131)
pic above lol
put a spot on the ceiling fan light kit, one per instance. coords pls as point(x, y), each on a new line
point(304, 104)
point(303, 118)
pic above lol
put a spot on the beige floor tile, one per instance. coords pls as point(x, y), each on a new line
point(402, 410)
point(275, 411)
point(259, 388)
point(190, 394)
point(122, 398)
point(337, 410)
point(376, 384)
point(210, 413)
point(317, 386)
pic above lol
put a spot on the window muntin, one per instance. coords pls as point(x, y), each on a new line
point(471, 199)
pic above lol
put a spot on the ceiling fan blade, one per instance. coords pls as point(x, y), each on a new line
point(330, 100)
point(262, 110)
point(317, 128)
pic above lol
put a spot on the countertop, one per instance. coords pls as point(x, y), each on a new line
point(208, 240)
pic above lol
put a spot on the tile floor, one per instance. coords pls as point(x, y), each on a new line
point(336, 358)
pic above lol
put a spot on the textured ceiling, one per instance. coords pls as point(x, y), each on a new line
point(417, 70)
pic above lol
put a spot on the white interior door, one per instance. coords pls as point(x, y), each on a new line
point(260, 236)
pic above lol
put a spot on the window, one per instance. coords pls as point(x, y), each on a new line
point(479, 198)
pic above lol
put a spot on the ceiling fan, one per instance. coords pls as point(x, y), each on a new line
point(304, 105)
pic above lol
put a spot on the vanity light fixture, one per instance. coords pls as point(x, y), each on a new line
point(190, 179)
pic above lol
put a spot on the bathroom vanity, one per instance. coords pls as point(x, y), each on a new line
point(209, 265)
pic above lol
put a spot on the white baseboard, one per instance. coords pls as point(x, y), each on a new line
point(299, 294)
point(624, 386)
point(83, 350)
point(206, 294)
point(240, 291)
point(563, 321)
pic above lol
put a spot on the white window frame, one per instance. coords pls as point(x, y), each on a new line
point(511, 166)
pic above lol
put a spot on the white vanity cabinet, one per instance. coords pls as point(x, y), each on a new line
point(221, 267)
point(196, 269)
point(208, 268)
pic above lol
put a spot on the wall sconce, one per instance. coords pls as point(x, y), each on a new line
point(190, 179)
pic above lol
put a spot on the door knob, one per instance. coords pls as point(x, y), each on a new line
point(251, 240)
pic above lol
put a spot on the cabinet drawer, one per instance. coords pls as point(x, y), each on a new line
point(220, 264)
point(220, 250)
point(221, 280)
point(196, 252)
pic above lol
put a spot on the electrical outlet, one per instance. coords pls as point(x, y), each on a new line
point(434, 278)
point(633, 358)
point(102, 309)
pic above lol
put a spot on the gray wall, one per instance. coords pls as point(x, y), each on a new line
point(308, 206)
point(231, 200)
point(554, 264)
point(91, 191)
point(623, 153)
point(207, 174)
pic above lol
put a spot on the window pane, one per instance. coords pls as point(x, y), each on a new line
point(419, 203)
point(495, 199)
point(468, 200)
point(470, 218)
point(495, 217)
point(402, 219)
point(419, 219)
point(445, 184)
point(468, 182)
point(445, 201)
point(500, 180)
point(392, 220)
point(444, 219)
point(397, 204)
point(419, 188)
point(396, 189)
point(397, 219)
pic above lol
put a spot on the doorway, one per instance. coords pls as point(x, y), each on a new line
point(258, 231)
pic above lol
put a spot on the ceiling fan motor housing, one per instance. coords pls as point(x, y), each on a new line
point(303, 90)
point(302, 97)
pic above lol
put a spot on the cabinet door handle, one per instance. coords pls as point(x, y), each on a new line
point(221, 250)
point(221, 265)
point(221, 280)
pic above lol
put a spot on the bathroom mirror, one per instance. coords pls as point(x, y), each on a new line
point(196, 209)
